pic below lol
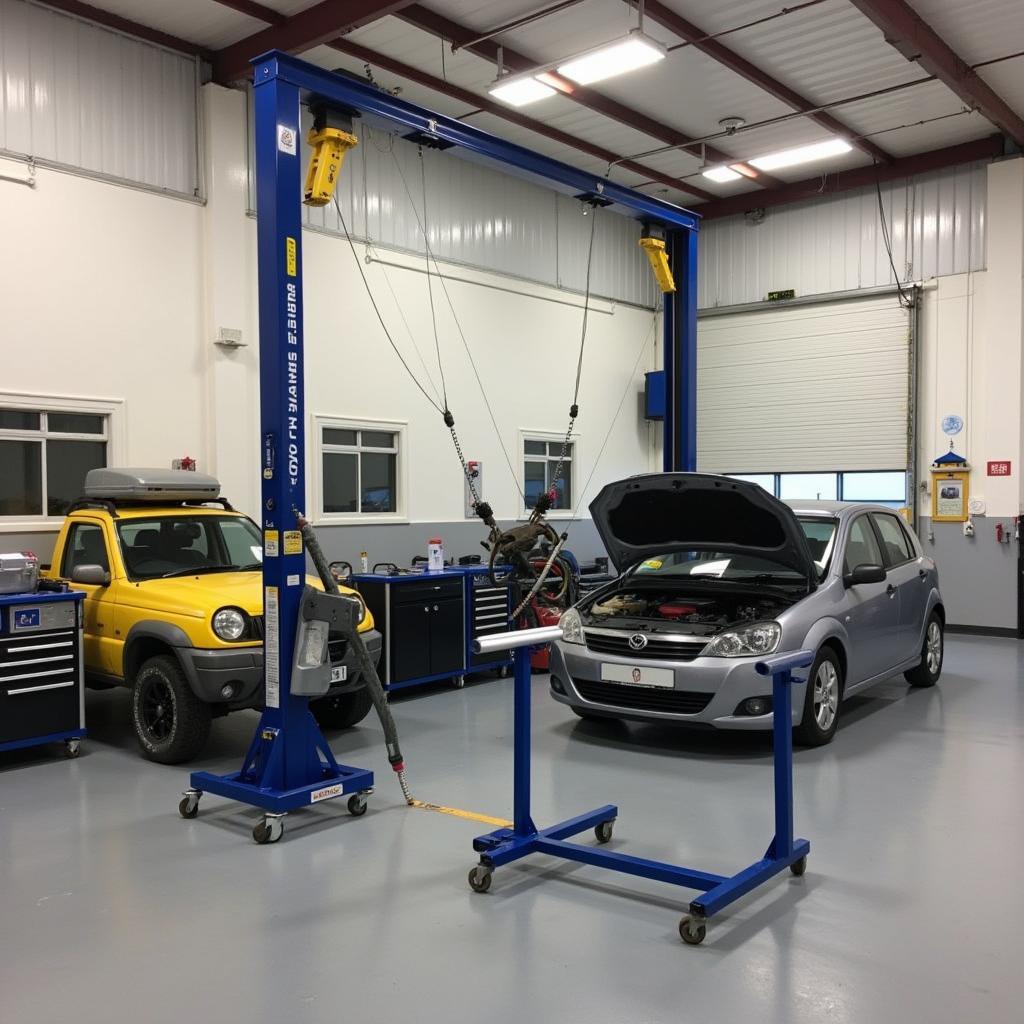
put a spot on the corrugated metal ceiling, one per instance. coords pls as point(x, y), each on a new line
point(825, 52)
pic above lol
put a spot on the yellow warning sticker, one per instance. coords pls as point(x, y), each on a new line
point(292, 542)
point(270, 543)
point(292, 256)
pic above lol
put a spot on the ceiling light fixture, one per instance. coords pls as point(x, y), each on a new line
point(721, 173)
point(519, 90)
point(637, 50)
point(801, 155)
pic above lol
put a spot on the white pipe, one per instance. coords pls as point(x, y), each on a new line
point(516, 638)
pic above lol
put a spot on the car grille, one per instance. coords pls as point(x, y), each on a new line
point(644, 698)
point(666, 650)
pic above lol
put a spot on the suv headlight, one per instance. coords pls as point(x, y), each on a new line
point(572, 626)
point(757, 639)
point(229, 624)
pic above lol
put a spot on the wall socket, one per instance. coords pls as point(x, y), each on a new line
point(229, 337)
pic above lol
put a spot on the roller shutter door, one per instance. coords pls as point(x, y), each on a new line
point(804, 388)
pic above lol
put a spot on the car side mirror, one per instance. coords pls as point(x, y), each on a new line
point(865, 573)
point(90, 575)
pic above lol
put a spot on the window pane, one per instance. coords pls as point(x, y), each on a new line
point(332, 436)
point(563, 489)
point(67, 462)
point(897, 547)
point(765, 480)
point(535, 448)
point(555, 449)
point(341, 482)
point(875, 486)
point(814, 486)
point(241, 542)
point(534, 482)
point(21, 481)
point(19, 419)
point(73, 423)
point(378, 482)
point(85, 546)
point(377, 439)
point(861, 546)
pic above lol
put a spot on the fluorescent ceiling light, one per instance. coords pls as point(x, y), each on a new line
point(801, 155)
point(722, 173)
point(520, 91)
point(635, 51)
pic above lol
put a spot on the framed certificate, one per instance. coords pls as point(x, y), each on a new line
point(949, 496)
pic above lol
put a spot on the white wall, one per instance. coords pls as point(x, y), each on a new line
point(107, 291)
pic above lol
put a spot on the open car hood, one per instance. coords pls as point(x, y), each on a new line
point(662, 513)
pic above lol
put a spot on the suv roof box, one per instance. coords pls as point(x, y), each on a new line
point(151, 485)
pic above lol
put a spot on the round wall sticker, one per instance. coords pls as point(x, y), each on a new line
point(952, 424)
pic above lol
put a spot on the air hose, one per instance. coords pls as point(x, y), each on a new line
point(363, 659)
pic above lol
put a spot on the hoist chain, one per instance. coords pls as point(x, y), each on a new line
point(482, 509)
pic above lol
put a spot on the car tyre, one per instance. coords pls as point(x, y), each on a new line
point(171, 723)
point(933, 650)
point(342, 710)
point(822, 700)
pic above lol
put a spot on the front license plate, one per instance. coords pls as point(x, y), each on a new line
point(339, 673)
point(637, 675)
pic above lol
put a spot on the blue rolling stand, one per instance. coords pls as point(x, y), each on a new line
point(42, 693)
point(506, 845)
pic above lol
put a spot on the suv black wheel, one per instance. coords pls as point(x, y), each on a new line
point(822, 701)
point(343, 710)
point(932, 650)
point(171, 723)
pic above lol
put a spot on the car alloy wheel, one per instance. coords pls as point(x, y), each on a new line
point(933, 646)
point(826, 695)
point(157, 708)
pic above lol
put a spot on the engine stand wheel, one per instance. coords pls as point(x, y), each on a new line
point(604, 830)
point(692, 930)
point(188, 807)
point(357, 805)
point(480, 877)
point(798, 867)
point(269, 830)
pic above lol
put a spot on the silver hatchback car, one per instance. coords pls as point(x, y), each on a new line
point(716, 574)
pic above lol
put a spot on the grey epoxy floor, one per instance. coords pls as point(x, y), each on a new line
point(112, 908)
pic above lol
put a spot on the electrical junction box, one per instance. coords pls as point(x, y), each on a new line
point(654, 395)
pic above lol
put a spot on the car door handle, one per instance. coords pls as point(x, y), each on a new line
point(890, 590)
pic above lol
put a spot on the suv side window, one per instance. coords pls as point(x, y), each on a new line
point(85, 546)
point(861, 546)
point(898, 548)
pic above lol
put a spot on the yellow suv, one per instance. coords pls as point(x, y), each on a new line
point(174, 607)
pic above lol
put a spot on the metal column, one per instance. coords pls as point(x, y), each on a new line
point(679, 332)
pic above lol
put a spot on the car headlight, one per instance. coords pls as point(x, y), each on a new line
point(756, 639)
point(229, 624)
point(572, 626)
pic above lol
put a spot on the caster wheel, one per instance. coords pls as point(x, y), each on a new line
point(357, 805)
point(459, 681)
point(691, 932)
point(189, 805)
point(603, 832)
point(503, 672)
point(269, 830)
point(72, 748)
point(798, 867)
point(480, 878)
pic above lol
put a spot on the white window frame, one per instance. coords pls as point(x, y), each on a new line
point(112, 409)
point(399, 428)
point(549, 436)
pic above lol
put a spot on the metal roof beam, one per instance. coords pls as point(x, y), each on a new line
point(489, 106)
point(717, 51)
point(844, 181)
point(905, 30)
point(302, 31)
point(445, 28)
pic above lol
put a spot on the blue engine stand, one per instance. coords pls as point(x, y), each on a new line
point(506, 845)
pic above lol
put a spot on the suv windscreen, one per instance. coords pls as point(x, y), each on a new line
point(183, 545)
point(820, 532)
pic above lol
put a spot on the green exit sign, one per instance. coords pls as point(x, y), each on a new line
point(786, 293)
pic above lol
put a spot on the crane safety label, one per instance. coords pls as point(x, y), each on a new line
point(326, 793)
point(272, 647)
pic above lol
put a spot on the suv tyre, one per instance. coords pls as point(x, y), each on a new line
point(171, 723)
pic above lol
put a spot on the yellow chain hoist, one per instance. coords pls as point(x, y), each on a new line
point(658, 257)
point(330, 142)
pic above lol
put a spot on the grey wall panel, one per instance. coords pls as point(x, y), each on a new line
point(91, 99)
point(936, 224)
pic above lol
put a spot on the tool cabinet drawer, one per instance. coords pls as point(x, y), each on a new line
point(423, 591)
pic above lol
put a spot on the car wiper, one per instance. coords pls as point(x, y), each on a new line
point(251, 567)
point(197, 570)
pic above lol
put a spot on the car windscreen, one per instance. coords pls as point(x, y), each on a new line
point(719, 565)
point(163, 546)
point(820, 532)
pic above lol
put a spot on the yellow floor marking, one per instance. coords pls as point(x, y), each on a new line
point(471, 815)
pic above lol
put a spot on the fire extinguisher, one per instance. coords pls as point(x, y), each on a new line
point(1000, 530)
